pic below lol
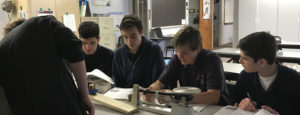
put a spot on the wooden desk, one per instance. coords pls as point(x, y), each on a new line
point(232, 68)
point(290, 45)
point(102, 110)
point(288, 56)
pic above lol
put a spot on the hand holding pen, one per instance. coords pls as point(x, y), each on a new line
point(248, 104)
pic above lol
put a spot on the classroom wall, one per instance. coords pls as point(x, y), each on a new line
point(117, 10)
point(225, 34)
point(3, 20)
point(116, 6)
point(279, 17)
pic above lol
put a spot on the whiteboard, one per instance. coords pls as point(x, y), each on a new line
point(228, 11)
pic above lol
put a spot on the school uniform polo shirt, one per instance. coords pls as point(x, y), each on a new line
point(142, 68)
point(283, 95)
point(206, 73)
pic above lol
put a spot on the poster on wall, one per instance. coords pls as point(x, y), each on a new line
point(101, 2)
point(206, 9)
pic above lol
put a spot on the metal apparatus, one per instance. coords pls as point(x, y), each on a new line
point(179, 98)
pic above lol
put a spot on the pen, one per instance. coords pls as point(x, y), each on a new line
point(248, 95)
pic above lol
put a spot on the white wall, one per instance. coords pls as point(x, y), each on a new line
point(225, 31)
point(3, 20)
point(257, 15)
point(117, 10)
point(266, 19)
point(279, 17)
point(116, 6)
point(247, 15)
point(235, 38)
point(288, 20)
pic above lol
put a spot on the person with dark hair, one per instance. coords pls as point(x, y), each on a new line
point(139, 60)
point(97, 56)
point(196, 67)
point(33, 73)
point(11, 25)
point(265, 84)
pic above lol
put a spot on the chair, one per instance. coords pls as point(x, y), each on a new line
point(169, 48)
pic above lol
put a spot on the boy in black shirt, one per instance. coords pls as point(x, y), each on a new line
point(97, 57)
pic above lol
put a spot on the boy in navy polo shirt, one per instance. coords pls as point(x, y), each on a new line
point(264, 83)
point(196, 67)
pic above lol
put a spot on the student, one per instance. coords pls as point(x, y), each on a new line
point(196, 67)
point(139, 60)
point(33, 74)
point(264, 83)
point(11, 25)
point(97, 57)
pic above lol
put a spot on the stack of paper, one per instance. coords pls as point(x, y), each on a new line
point(119, 93)
point(231, 110)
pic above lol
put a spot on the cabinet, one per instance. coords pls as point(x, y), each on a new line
point(279, 17)
point(288, 20)
point(257, 15)
point(106, 26)
point(60, 8)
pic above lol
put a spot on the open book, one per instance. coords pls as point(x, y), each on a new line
point(99, 74)
point(100, 79)
point(231, 110)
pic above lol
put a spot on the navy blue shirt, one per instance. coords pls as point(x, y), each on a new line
point(142, 68)
point(206, 73)
point(101, 59)
point(283, 95)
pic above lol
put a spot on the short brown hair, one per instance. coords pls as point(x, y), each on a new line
point(259, 45)
point(188, 35)
point(88, 29)
point(129, 21)
point(12, 24)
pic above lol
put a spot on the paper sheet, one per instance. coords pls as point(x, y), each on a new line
point(100, 74)
point(263, 112)
point(242, 112)
point(227, 110)
point(119, 93)
point(69, 21)
point(198, 107)
point(231, 110)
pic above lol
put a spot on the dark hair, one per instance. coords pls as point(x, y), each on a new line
point(88, 29)
point(259, 45)
point(11, 25)
point(129, 21)
point(188, 35)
